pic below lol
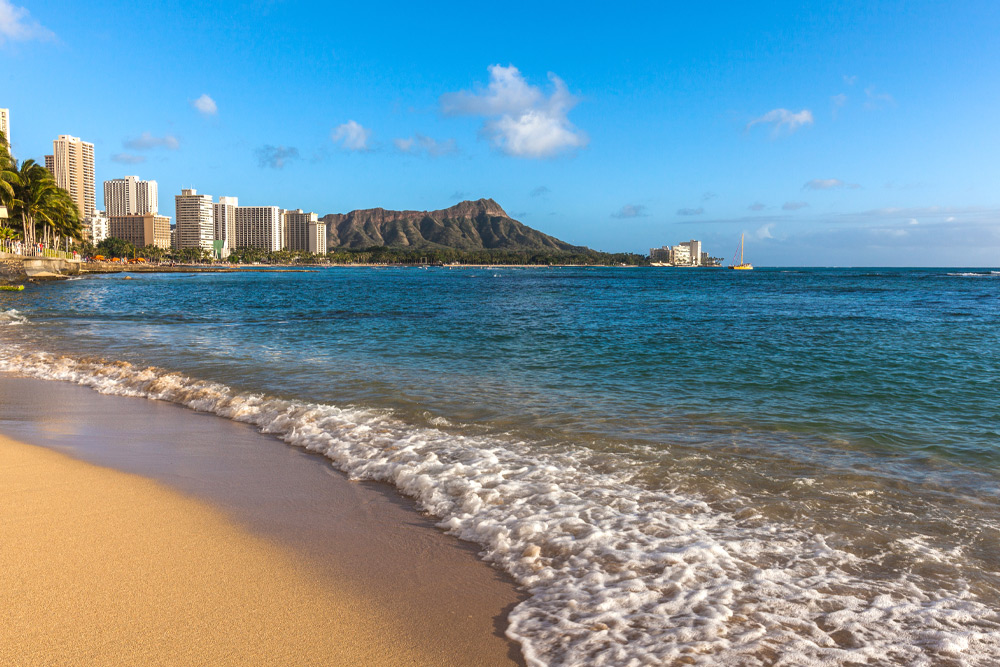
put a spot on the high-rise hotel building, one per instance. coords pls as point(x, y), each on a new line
point(72, 165)
point(132, 207)
point(225, 224)
point(5, 123)
point(195, 220)
point(304, 231)
point(259, 227)
point(141, 230)
point(130, 196)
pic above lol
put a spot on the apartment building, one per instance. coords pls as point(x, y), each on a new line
point(259, 227)
point(130, 196)
point(195, 220)
point(141, 230)
point(72, 165)
point(304, 231)
point(224, 214)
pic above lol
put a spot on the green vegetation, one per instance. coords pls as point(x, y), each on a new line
point(39, 210)
point(406, 256)
point(113, 247)
point(387, 255)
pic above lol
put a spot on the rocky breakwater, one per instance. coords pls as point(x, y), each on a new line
point(12, 271)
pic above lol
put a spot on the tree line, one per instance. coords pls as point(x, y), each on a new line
point(114, 247)
point(38, 210)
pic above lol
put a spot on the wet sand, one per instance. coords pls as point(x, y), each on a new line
point(399, 591)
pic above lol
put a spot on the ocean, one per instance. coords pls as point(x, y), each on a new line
point(680, 466)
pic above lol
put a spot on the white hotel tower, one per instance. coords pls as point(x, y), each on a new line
point(195, 220)
point(259, 227)
point(130, 196)
point(225, 223)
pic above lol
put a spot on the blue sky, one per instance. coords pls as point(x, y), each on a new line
point(845, 133)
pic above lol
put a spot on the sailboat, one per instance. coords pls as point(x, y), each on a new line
point(742, 266)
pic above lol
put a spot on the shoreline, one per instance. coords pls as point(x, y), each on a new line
point(362, 544)
point(11, 276)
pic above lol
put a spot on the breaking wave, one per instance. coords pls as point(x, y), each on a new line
point(618, 573)
point(11, 317)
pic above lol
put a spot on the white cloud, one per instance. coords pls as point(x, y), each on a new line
point(351, 136)
point(127, 158)
point(828, 184)
point(419, 143)
point(630, 211)
point(783, 119)
point(764, 232)
point(275, 157)
point(205, 105)
point(793, 205)
point(16, 25)
point(690, 211)
point(146, 141)
point(521, 120)
point(757, 206)
point(850, 80)
point(886, 231)
point(926, 215)
point(877, 100)
point(930, 225)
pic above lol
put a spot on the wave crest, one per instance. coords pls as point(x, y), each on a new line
point(11, 317)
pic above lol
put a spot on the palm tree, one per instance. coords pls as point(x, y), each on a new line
point(65, 218)
point(8, 174)
point(39, 201)
point(152, 252)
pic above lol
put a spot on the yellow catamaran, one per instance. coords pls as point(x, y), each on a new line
point(742, 266)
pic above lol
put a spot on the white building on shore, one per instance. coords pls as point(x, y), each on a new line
point(688, 253)
point(195, 220)
point(130, 196)
point(259, 227)
point(96, 229)
point(225, 225)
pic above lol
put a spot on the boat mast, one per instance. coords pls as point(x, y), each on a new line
point(741, 249)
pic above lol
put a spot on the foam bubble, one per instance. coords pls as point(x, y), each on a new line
point(618, 573)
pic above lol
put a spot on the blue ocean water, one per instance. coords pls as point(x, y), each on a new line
point(815, 452)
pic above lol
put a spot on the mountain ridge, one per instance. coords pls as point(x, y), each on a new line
point(480, 224)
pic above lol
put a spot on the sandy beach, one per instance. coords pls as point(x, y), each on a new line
point(220, 559)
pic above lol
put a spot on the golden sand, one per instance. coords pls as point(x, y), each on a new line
point(103, 567)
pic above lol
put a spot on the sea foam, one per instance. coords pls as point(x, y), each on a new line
point(11, 317)
point(618, 574)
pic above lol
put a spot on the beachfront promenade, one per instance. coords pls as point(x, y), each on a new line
point(19, 249)
point(20, 260)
